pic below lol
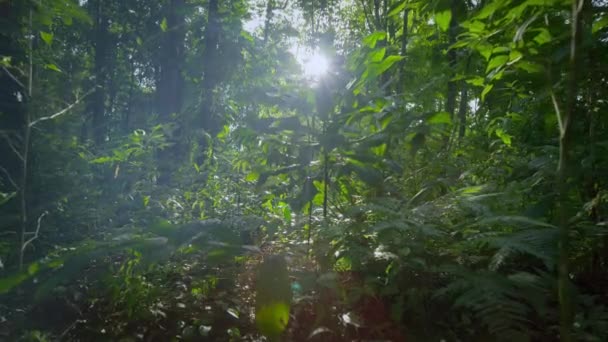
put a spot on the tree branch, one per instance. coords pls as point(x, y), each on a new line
point(14, 78)
point(63, 111)
point(11, 145)
point(35, 233)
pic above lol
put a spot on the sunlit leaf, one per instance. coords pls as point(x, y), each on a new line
point(163, 25)
point(506, 138)
point(497, 61)
point(46, 37)
point(443, 19)
point(233, 312)
point(252, 176)
point(386, 64)
point(33, 268)
point(530, 67)
point(440, 118)
point(486, 90)
point(397, 8)
point(376, 55)
point(600, 24)
point(52, 67)
point(476, 81)
point(373, 38)
point(543, 37)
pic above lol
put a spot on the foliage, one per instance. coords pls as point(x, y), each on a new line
point(442, 180)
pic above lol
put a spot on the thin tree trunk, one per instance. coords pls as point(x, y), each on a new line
point(97, 104)
point(269, 13)
point(404, 41)
point(26, 147)
point(210, 75)
point(565, 293)
point(170, 85)
point(462, 111)
point(450, 103)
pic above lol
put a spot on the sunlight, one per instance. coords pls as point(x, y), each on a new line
point(315, 66)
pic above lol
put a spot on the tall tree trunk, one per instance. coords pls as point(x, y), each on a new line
point(96, 104)
point(404, 41)
point(450, 105)
point(208, 120)
point(462, 111)
point(170, 84)
point(566, 158)
point(269, 13)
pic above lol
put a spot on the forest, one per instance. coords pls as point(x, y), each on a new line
point(303, 170)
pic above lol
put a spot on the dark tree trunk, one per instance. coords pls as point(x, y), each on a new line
point(404, 41)
point(169, 90)
point(170, 85)
point(96, 104)
point(208, 120)
point(269, 13)
point(462, 111)
point(450, 103)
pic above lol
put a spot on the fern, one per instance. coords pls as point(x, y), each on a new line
point(501, 304)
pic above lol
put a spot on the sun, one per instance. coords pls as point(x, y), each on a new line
point(315, 66)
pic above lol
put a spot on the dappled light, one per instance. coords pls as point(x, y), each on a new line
point(319, 170)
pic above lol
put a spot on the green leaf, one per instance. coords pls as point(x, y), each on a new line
point(139, 41)
point(506, 138)
point(476, 81)
point(485, 91)
point(372, 39)
point(397, 8)
point(443, 19)
point(497, 62)
point(146, 200)
point(287, 214)
point(515, 56)
point(7, 283)
point(252, 176)
point(47, 37)
point(376, 55)
point(53, 67)
point(517, 220)
point(440, 118)
point(530, 67)
point(102, 160)
point(247, 36)
point(474, 26)
point(33, 268)
point(600, 24)
point(543, 37)
point(485, 50)
point(5, 197)
point(163, 25)
point(386, 64)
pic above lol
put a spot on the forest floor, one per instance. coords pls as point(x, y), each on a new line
point(184, 299)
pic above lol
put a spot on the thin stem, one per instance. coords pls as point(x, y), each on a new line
point(565, 158)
